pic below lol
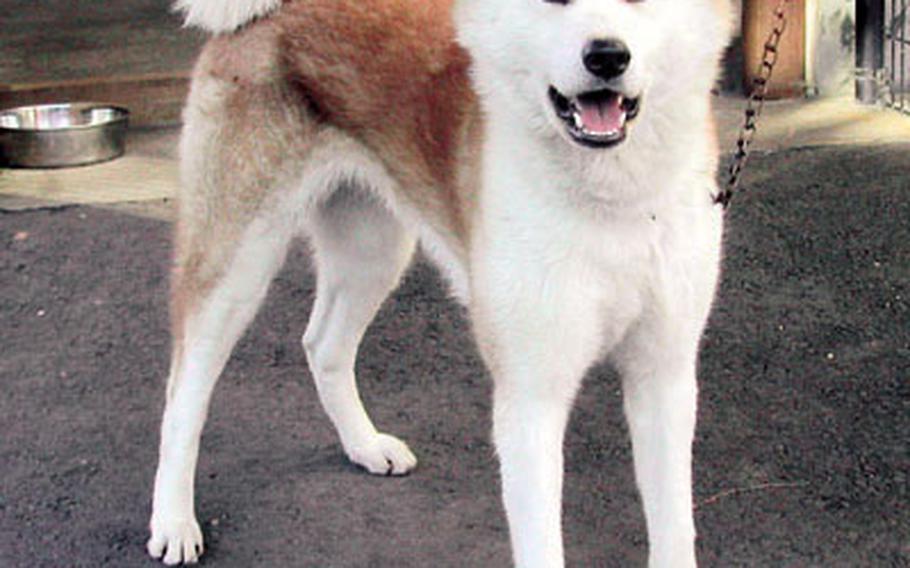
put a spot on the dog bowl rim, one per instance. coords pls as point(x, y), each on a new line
point(122, 114)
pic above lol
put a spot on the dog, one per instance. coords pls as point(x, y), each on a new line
point(556, 160)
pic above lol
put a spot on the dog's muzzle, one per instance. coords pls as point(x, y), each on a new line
point(596, 119)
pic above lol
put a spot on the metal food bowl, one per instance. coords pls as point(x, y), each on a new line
point(61, 135)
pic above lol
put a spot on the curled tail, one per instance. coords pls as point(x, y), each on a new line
point(222, 16)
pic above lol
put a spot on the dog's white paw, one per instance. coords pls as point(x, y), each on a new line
point(177, 541)
point(383, 455)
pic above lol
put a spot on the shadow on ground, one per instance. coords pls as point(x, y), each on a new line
point(801, 457)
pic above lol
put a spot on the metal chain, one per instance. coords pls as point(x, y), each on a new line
point(754, 106)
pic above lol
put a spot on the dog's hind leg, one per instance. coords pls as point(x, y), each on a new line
point(241, 163)
point(361, 250)
point(209, 318)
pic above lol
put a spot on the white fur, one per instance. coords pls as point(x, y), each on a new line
point(214, 330)
point(223, 16)
point(576, 255)
point(361, 252)
point(585, 253)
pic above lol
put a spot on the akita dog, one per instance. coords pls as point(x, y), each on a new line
point(555, 158)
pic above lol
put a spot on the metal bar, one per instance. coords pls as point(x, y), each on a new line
point(903, 40)
point(870, 53)
point(896, 18)
point(891, 38)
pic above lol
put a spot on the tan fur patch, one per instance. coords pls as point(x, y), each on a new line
point(391, 74)
point(247, 130)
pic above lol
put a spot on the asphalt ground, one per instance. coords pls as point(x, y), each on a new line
point(801, 455)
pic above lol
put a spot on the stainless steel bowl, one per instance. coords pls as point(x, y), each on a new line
point(60, 135)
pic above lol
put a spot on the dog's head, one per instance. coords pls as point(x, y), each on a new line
point(587, 70)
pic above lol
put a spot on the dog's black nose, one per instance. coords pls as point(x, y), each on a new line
point(606, 58)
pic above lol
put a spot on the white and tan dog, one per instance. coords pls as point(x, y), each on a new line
point(556, 158)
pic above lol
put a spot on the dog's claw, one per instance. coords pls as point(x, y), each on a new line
point(178, 542)
point(383, 455)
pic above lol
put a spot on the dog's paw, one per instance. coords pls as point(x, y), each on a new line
point(175, 542)
point(383, 455)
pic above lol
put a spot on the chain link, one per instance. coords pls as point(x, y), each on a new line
point(754, 106)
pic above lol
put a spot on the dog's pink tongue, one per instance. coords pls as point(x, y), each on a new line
point(602, 116)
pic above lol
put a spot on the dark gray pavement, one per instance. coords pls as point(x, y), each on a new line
point(801, 456)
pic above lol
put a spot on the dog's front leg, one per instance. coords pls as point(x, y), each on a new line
point(538, 337)
point(660, 409)
point(528, 432)
point(658, 364)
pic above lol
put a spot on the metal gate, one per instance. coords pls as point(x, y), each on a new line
point(883, 52)
point(897, 40)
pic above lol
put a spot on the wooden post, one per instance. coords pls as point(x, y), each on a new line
point(789, 79)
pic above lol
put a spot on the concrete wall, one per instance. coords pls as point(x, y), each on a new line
point(900, 79)
point(830, 43)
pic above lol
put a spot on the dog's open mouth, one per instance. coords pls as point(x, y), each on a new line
point(597, 118)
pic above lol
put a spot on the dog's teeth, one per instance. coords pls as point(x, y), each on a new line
point(576, 116)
